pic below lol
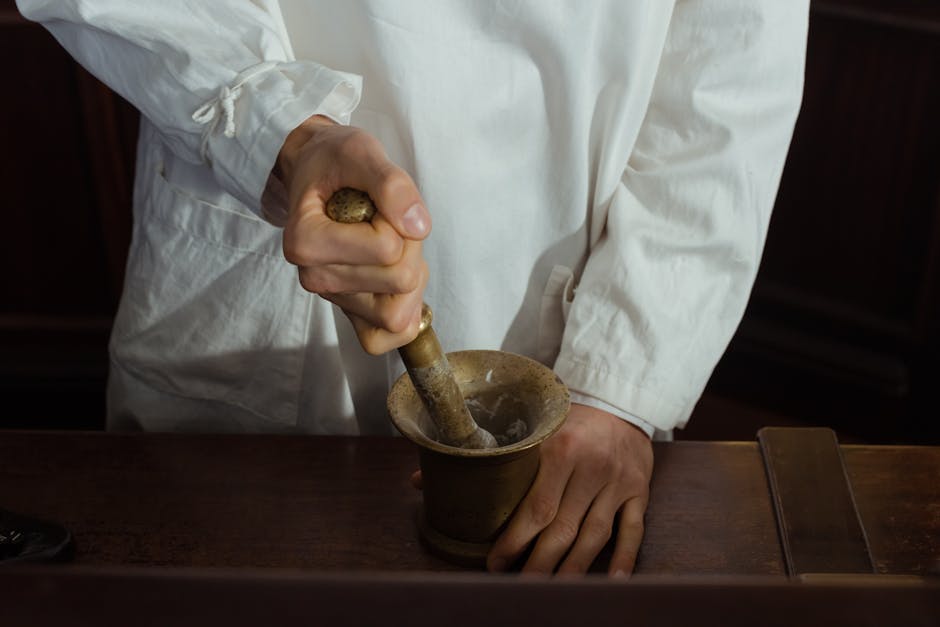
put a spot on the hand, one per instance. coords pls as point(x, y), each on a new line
point(593, 467)
point(373, 271)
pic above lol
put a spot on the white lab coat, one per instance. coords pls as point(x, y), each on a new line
point(600, 176)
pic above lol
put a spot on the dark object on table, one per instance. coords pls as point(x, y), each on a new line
point(24, 539)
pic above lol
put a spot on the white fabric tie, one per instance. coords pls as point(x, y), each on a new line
point(223, 105)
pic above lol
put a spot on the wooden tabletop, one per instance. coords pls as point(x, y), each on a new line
point(338, 503)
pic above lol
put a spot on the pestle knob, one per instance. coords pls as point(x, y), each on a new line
point(423, 357)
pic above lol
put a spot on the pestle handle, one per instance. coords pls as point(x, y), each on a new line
point(423, 357)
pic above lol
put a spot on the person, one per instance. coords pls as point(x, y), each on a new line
point(600, 176)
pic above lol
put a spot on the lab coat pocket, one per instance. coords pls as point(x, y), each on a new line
point(556, 301)
point(211, 310)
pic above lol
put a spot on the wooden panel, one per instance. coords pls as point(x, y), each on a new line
point(897, 493)
point(820, 531)
point(860, 189)
point(181, 597)
point(110, 124)
point(843, 325)
point(345, 503)
point(66, 171)
point(699, 495)
point(52, 259)
point(338, 503)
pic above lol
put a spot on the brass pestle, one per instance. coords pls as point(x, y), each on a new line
point(424, 360)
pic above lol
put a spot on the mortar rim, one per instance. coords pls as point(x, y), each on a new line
point(403, 386)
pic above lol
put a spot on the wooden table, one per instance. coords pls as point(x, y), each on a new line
point(334, 506)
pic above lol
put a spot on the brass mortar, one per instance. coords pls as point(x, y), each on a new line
point(469, 494)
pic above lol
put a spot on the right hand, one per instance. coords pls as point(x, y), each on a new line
point(373, 271)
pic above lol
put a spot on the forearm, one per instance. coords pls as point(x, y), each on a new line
point(668, 278)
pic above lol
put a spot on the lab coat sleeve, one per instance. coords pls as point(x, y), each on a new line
point(670, 271)
point(218, 79)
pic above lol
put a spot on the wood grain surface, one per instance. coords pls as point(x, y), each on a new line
point(817, 520)
point(337, 503)
point(160, 499)
point(263, 529)
point(104, 596)
point(897, 492)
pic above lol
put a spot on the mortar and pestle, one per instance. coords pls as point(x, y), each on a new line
point(451, 406)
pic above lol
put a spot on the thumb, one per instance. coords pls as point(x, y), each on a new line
point(415, 222)
point(397, 198)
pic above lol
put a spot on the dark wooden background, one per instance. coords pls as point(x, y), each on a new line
point(843, 329)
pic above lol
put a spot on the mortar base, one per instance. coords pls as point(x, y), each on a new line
point(466, 554)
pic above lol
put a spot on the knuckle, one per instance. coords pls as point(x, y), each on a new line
point(425, 272)
point(372, 343)
point(630, 536)
point(563, 531)
point(563, 445)
point(388, 249)
point(542, 510)
point(309, 282)
point(294, 250)
point(373, 348)
point(301, 250)
point(616, 466)
point(601, 466)
point(300, 237)
point(394, 182)
point(395, 319)
point(357, 145)
point(318, 283)
point(635, 526)
point(406, 280)
point(596, 531)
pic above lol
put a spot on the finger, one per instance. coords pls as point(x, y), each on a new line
point(392, 313)
point(595, 532)
point(536, 511)
point(559, 536)
point(344, 156)
point(396, 197)
point(404, 277)
point(364, 165)
point(376, 341)
point(311, 238)
point(417, 480)
point(629, 537)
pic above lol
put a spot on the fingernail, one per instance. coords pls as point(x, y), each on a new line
point(620, 574)
point(417, 220)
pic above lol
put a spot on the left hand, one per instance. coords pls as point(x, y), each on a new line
point(595, 466)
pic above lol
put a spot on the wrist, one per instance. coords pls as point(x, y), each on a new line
point(627, 417)
point(286, 161)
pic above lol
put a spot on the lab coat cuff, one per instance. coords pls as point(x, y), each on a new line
point(657, 407)
point(596, 403)
point(265, 109)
